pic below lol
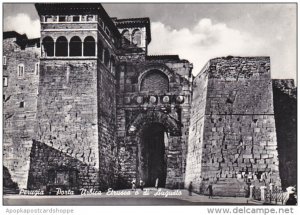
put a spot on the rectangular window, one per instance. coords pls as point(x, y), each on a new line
point(62, 19)
point(4, 60)
point(75, 18)
point(90, 18)
point(22, 104)
point(107, 31)
point(48, 19)
point(5, 81)
point(20, 70)
point(62, 178)
point(37, 68)
point(101, 24)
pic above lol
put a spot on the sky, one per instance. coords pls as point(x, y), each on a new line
point(200, 31)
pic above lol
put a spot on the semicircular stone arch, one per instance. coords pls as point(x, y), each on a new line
point(155, 80)
point(171, 125)
point(161, 68)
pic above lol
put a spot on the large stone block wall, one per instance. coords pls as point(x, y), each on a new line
point(239, 138)
point(67, 117)
point(285, 109)
point(45, 158)
point(195, 140)
point(107, 127)
point(19, 122)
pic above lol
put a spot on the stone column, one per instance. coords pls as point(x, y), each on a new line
point(43, 53)
point(54, 49)
point(96, 49)
point(82, 49)
point(262, 192)
point(251, 192)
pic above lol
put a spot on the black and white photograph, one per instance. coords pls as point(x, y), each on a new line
point(149, 103)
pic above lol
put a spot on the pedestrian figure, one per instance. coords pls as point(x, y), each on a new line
point(190, 188)
point(292, 199)
point(133, 187)
point(156, 183)
point(210, 190)
point(141, 184)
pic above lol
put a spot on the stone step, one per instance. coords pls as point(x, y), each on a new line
point(230, 187)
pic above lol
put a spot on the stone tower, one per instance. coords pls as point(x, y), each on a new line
point(232, 141)
point(21, 76)
point(76, 111)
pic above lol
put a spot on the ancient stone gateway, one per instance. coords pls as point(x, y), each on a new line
point(153, 131)
point(153, 118)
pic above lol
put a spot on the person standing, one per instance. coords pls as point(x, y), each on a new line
point(292, 200)
point(291, 196)
point(141, 184)
point(190, 188)
point(156, 183)
point(210, 190)
point(133, 185)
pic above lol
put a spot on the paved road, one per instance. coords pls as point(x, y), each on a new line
point(107, 201)
point(95, 202)
point(132, 199)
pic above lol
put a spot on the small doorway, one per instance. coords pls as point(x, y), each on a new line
point(153, 162)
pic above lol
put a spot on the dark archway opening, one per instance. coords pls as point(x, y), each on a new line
point(61, 47)
point(89, 46)
point(125, 38)
point(153, 159)
point(48, 44)
point(136, 37)
point(75, 46)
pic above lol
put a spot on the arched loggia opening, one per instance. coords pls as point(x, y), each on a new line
point(61, 46)
point(48, 45)
point(125, 37)
point(89, 46)
point(153, 160)
point(137, 37)
point(75, 46)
